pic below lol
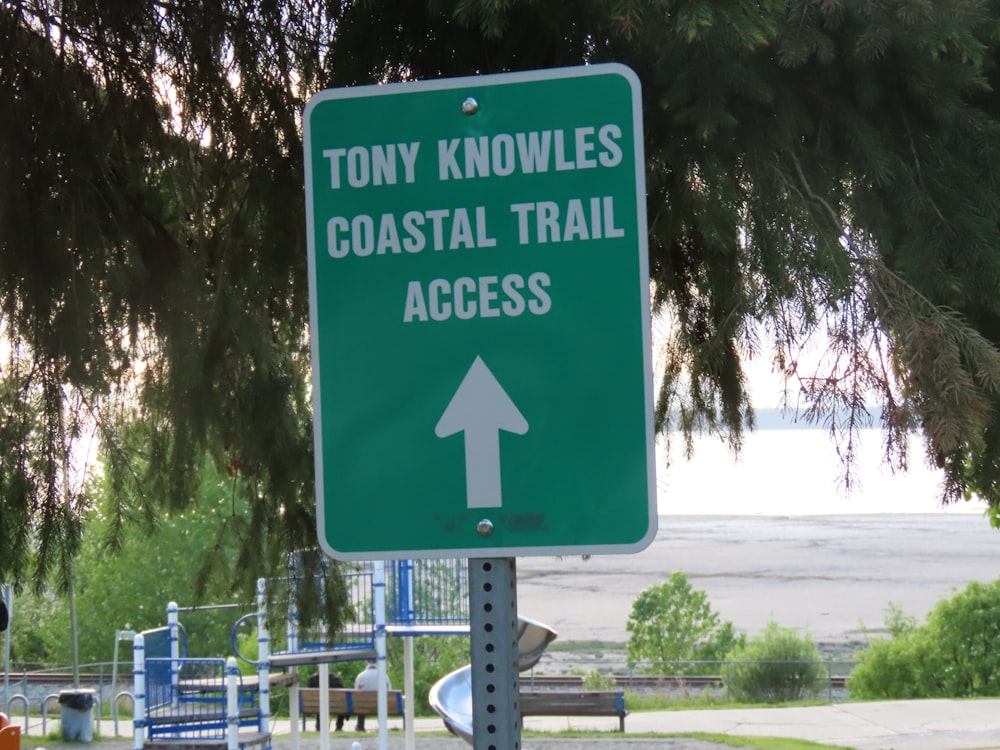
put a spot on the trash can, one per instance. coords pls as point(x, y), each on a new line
point(77, 714)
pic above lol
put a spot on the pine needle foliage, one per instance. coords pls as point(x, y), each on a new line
point(814, 168)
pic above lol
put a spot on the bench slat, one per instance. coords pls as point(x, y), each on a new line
point(350, 702)
point(586, 703)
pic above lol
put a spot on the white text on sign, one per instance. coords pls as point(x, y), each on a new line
point(486, 297)
point(455, 229)
point(445, 229)
point(528, 153)
point(500, 155)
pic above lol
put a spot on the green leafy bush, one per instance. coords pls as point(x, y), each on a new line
point(595, 680)
point(776, 666)
point(954, 654)
point(434, 656)
point(673, 622)
point(720, 642)
point(902, 668)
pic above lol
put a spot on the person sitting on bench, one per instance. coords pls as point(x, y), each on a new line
point(368, 680)
point(335, 682)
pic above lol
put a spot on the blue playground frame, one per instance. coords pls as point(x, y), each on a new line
point(208, 702)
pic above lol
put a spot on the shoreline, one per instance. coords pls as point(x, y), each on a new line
point(832, 576)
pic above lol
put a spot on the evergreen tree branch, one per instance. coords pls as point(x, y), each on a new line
point(947, 371)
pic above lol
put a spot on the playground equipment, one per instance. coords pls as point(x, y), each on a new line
point(180, 698)
point(367, 585)
point(429, 597)
point(198, 701)
point(451, 696)
point(421, 597)
point(10, 737)
point(404, 598)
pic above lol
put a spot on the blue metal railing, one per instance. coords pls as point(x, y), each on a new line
point(193, 706)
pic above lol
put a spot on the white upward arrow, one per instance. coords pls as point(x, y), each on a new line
point(481, 408)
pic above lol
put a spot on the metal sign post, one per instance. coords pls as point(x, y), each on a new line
point(496, 718)
point(480, 333)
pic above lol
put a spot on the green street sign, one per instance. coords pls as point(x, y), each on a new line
point(480, 320)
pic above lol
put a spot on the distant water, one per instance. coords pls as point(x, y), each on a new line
point(795, 472)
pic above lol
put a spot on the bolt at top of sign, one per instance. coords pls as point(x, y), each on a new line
point(477, 265)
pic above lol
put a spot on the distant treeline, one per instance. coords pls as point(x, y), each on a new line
point(787, 419)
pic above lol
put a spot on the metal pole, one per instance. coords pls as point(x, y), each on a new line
point(380, 652)
point(405, 585)
point(74, 642)
point(139, 692)
point(292, 645)
point(263, 663)
point(8, 597)
point(232, 704)
point(409, 692)
point(120, 635)
point(174, 641)
point(496, 714)
point(323, 673)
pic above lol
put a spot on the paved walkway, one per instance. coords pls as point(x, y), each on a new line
point(890, 725)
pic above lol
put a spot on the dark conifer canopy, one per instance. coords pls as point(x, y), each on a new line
point(811, 167)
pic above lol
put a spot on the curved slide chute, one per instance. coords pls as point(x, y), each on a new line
point(451, 696)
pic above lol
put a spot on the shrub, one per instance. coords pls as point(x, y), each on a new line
point(595, 680)
point(778, 665)
point(954, 654)
point(434, 656)
point(901, 668)
point(673, 622)
point(897, 622)
point(722, 641)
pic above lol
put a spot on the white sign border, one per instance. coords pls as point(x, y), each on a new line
point(500, 79)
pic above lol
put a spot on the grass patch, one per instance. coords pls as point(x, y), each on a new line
point(587, 647)
point(706, 699)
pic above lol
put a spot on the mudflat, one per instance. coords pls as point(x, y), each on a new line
point(832, 576)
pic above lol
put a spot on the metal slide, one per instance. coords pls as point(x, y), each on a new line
point(451, 696)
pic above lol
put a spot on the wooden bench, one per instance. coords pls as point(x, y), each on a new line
point(586, 703)
point(348, 702)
